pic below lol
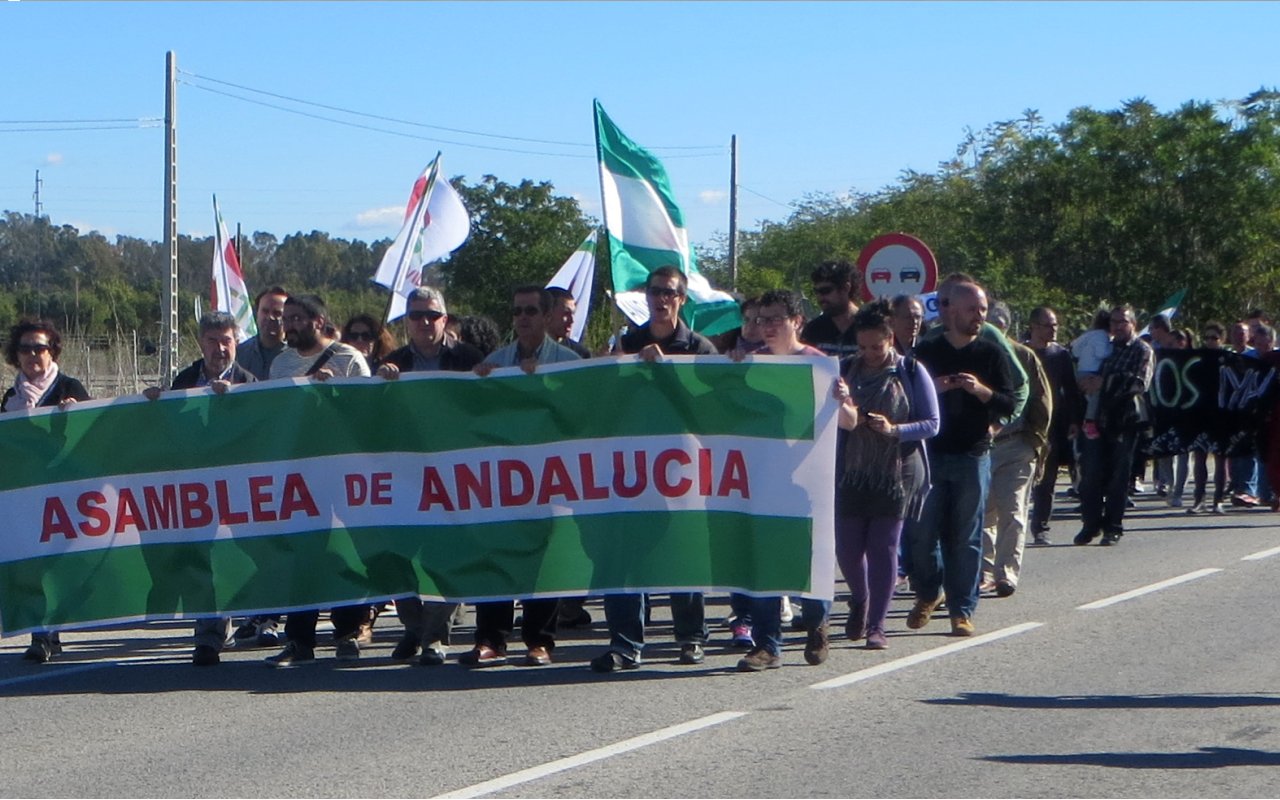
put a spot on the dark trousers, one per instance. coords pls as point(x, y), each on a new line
point(495, 621)
point(300, 626)
point(1042, 493)
point(1106, 466)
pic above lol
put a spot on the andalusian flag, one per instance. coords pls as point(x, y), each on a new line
point(435, 224)
point(577, 275)
point(646, 228)
point(228, 292)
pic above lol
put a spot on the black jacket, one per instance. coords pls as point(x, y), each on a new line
point(63, 387)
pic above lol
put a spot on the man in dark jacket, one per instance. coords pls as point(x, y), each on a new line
point(218, 370)
point(426, 624)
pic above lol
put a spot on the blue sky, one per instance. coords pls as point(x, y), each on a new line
point(824, 97)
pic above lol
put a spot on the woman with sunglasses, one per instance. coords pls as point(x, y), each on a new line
point(370, 337)
point(33, 349)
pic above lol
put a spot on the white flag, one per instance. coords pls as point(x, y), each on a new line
point(578, 275)
point(436, 223)
point(227, 291)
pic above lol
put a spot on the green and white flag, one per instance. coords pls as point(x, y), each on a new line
point(646, 229)
point(593, 477)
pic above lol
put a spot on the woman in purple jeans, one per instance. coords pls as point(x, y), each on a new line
point(889, 407)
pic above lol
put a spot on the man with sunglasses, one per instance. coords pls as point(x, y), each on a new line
point(426, 624)
point(665, 334)
point(832, 330)
point(530, 319)
point(430, 347)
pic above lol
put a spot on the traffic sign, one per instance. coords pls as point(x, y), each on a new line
point(896, 263)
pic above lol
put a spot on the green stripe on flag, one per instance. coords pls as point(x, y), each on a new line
point(600, 399)
point(507, 559)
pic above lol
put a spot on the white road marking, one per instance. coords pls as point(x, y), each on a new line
point(1262, 554)
point(600, 753)
point(928, 655)
point(1155, 587)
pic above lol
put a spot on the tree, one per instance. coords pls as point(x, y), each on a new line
point(520, 234)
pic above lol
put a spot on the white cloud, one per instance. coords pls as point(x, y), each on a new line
point(713, 197)
point(387, 217)
point(53, 158)
point(108, 232)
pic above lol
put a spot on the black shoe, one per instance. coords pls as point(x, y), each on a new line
point(1084, 537)
point(691, 653)
point(406, 648)
point(431, 657)
point(41, 651)
point(1109, 539)
point(1005, 589)
point(581, 619)
point(292, 655)
point(612, 661)
point(205, 656)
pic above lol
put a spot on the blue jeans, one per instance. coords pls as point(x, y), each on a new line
point(1244, 475)
point(624, 614)
point(766, 619)
point(946, 542)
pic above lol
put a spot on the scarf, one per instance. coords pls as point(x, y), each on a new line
point(31, 392)
point(873, 461)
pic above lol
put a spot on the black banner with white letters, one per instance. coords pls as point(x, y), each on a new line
point(1211, 400)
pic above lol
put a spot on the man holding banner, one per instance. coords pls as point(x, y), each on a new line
point(664, 334)
point(313, 353)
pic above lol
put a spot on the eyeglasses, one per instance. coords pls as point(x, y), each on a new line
point(360, 336)
point(774, 320)
point(33, 349)
point(526, 311)
point(418, 316)
point(828, 289)
point(662, 291)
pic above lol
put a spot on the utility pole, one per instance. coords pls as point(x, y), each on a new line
point(39, 274)
point(733, 212)
point(169, 307)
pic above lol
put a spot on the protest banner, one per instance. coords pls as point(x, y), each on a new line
point(1211, 400)
point(592, 477)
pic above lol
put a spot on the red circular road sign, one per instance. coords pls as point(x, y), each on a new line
point(896, 263)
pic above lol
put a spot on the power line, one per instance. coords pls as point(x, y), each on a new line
point(86, 128)
point(76, 121)
point(463, 131)
point(766, 197)
point(382, 130)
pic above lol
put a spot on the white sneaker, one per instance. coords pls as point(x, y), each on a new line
point(788, 613)
point(1198, 508)
point(1217, 508)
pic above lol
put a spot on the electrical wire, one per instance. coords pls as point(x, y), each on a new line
point(86, 128)
point(382, 130)
point(463, 131)
point(766, 197)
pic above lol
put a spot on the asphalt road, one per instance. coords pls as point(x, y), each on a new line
point(1147, 669)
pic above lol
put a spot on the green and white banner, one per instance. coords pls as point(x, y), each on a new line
point(581, 478)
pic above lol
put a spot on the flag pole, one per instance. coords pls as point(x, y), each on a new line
point(615, 327)
point(408, 250)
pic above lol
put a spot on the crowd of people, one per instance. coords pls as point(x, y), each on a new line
point(952, 438)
